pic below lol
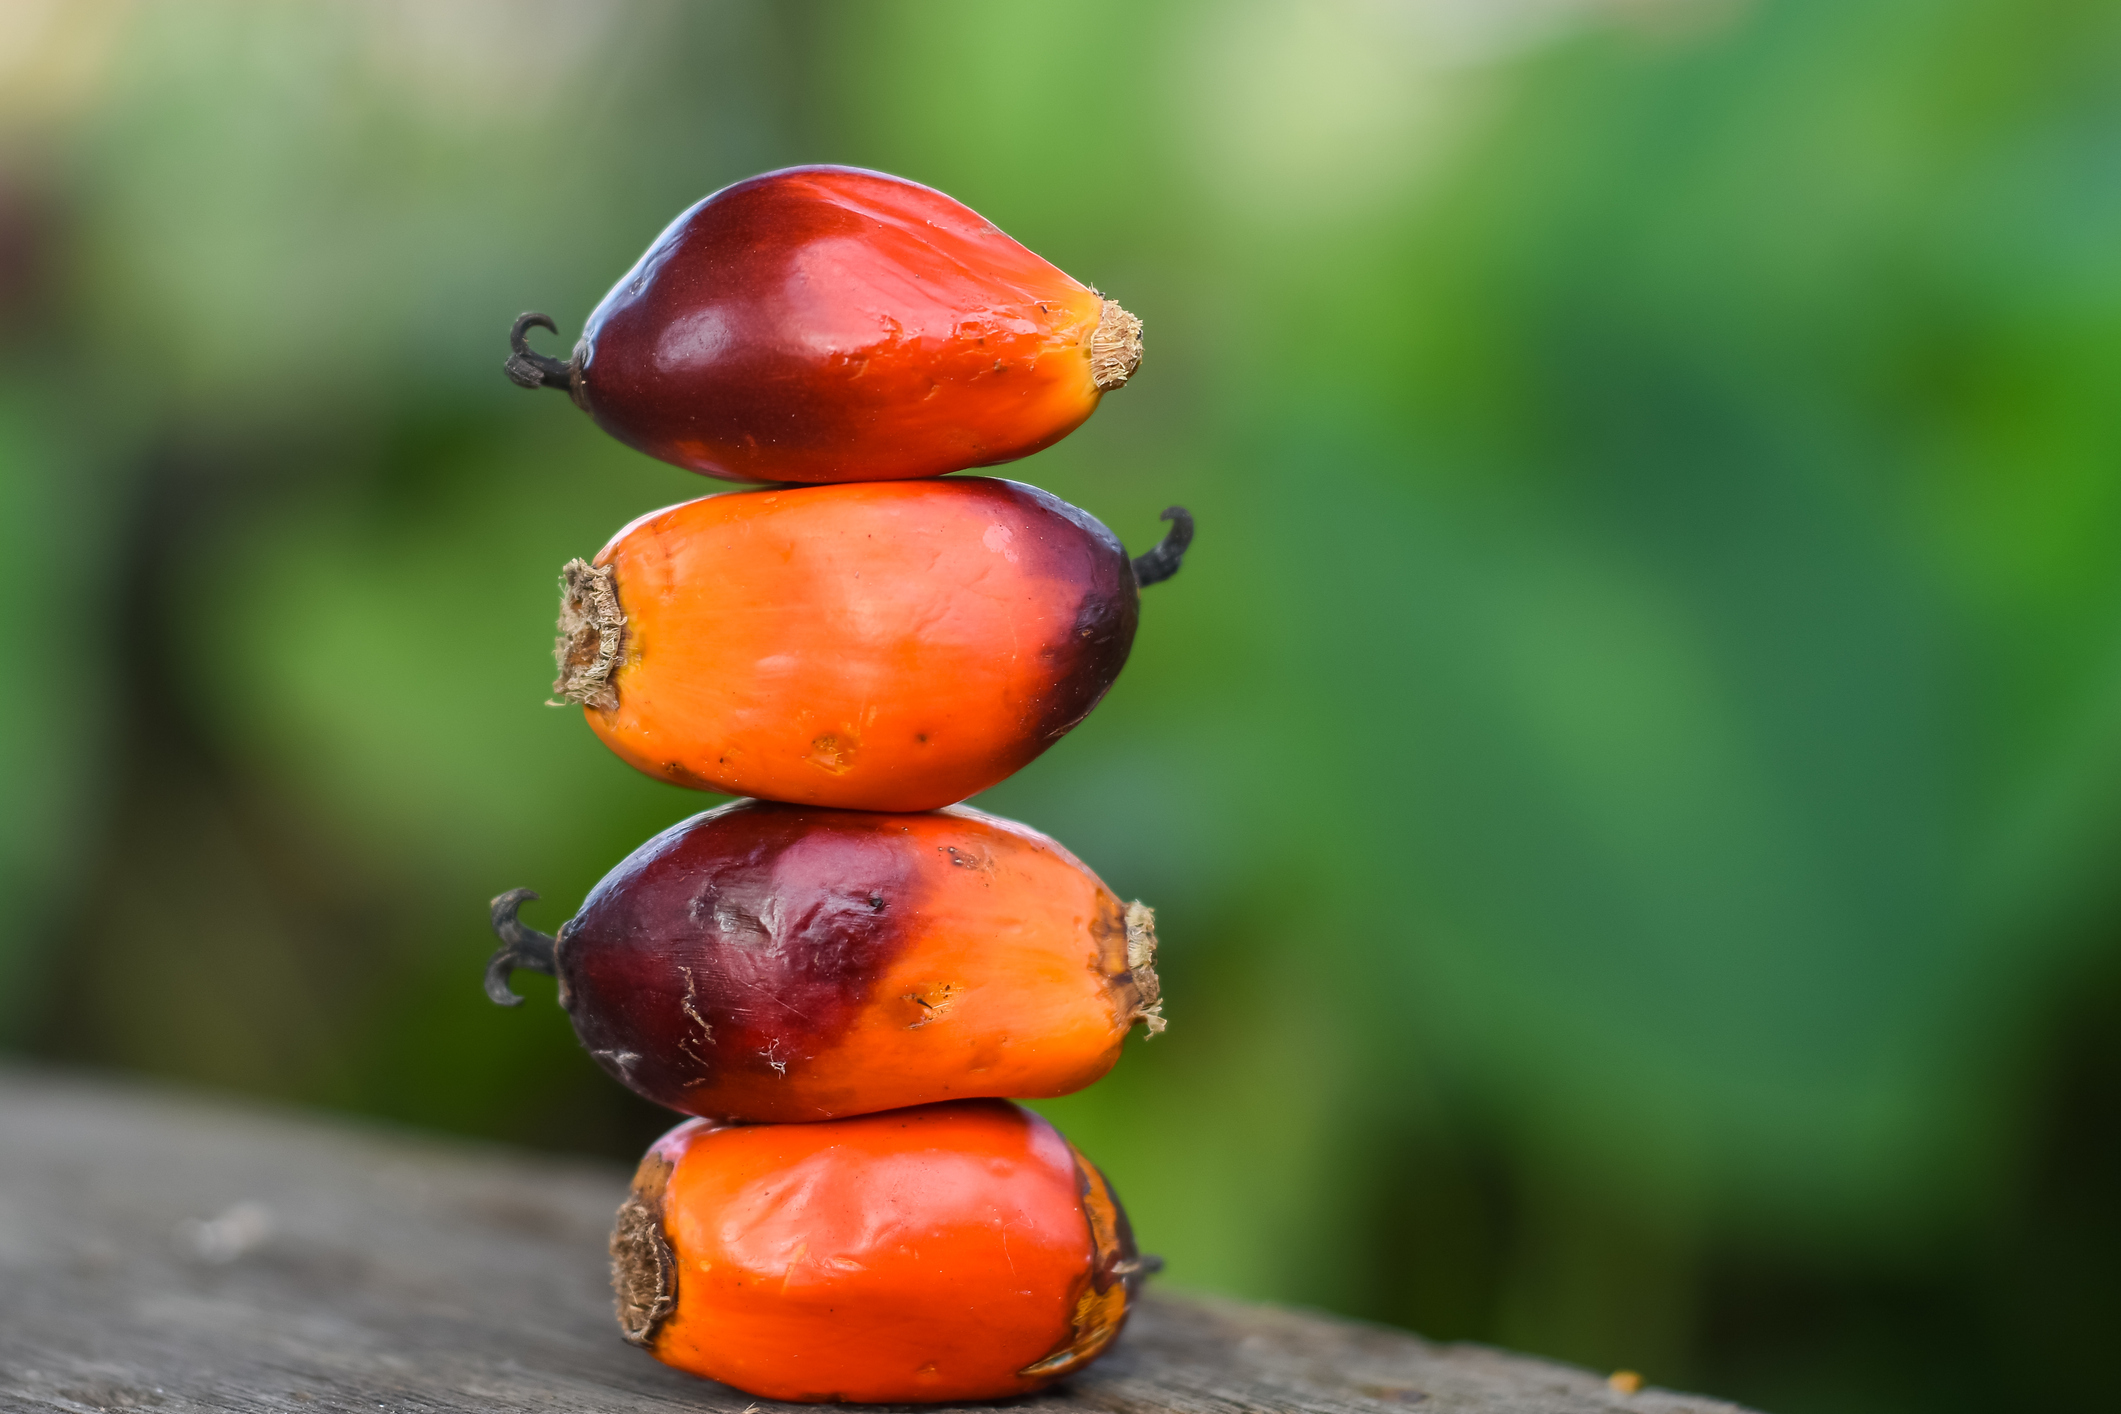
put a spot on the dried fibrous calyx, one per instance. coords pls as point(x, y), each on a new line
point(1116, 347)
point(644, 1274)
point(1141, 962)
point(592, 631)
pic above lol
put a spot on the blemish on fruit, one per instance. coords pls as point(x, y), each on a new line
point(997, 539)
point(832, 752)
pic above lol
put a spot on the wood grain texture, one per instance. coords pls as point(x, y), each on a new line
point(159, 1251)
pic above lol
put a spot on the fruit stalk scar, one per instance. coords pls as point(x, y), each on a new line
point(521, 946)
point(1157, 565)
point(529, 368)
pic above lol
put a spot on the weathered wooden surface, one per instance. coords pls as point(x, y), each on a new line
point(161, 1252)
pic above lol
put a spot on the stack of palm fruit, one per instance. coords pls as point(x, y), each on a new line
point(846, 976)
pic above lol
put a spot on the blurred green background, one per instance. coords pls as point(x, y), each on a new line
point(1631, 775)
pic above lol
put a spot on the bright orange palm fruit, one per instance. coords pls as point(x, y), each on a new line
point(825, 324)
point(785, 962)
point(949, 1252)
point(890, 645)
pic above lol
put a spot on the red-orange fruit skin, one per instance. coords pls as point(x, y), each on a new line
point(871, 646)
point(826, 324)
point(778, 962)
point(949, 1252)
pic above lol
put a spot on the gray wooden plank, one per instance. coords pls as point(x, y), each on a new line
point(162, 1251)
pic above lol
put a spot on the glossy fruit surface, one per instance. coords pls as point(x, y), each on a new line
point(875, 646)
point(780, 962)
point(954, 1251)
point(826, 324)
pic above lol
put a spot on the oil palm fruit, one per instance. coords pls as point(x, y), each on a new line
point(872, 645)
point(831, 324)
point(950, 1252)
point(777, 962)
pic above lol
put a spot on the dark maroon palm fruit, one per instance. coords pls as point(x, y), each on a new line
point(831, 324)
point(779, 962)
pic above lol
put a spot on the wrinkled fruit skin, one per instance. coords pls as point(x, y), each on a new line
point(873, 646)
point(950, 1252)
point(775, 962)
point(827, 324)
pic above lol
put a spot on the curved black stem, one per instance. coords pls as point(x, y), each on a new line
point(1160, 564)
point(528, 367)
point(521, 946)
